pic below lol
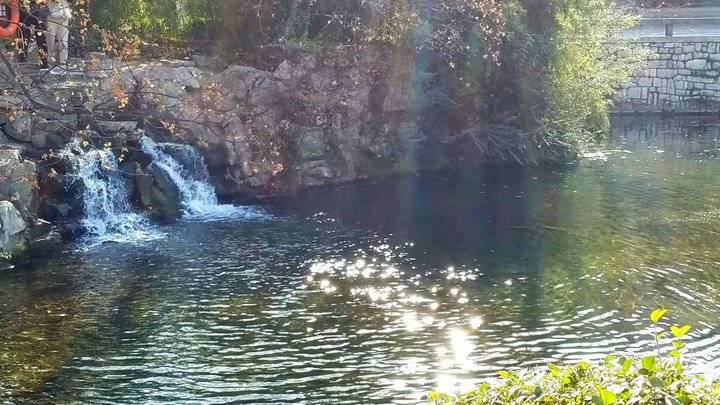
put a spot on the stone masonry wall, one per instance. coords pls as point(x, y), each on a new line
point(682, 75)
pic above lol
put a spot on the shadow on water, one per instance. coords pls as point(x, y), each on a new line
point(377, 292)
point(451, 216)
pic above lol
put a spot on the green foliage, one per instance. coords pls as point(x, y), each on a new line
point(680, 331)
point(543, 75)
point(154, 21)
point(450, 24)
point(657, 315)
point(590, 61)
point(653, 379)
point(491, 75)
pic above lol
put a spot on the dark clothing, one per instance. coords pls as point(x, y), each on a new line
point(34, 23)
point(40, 12)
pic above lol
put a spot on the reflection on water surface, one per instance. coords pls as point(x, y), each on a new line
point(377, 292)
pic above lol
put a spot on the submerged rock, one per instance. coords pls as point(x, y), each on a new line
point(56, 211)
point(44, 239)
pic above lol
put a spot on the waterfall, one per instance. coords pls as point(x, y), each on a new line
point(187, 169)
point(108, 216)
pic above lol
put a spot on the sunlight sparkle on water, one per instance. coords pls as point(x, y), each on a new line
point(462, 347)
point(476, 322)
point(450, 384)
point(412, 324)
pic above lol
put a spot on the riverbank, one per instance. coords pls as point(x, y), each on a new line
point(311, 118)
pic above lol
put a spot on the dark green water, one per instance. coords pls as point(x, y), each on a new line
point(378, 292)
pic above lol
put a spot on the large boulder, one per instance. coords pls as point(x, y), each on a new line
point(250, 86)
point(170, 84)
point(17, 125)
point(310, 143)
point(209, 62)
point(12, 231)
point(48, 140)
point(56, 211)
point(18, 183)
point(44, 239)
point(114, 127)
point(21, 231)
point(51, 132)
point(183, 154)
point(157, 193)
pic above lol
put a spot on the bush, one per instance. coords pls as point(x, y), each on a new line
point(154, 21)
point(543, 73)
point(590, 61)
point(656, 379)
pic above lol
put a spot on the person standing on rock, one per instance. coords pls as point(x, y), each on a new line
point(32, 26)
point(58, 32)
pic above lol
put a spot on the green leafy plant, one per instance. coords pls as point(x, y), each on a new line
point(591, 59)
point(653, 379)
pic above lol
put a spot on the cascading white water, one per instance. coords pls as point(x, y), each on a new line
point(108, 216)
point(199, 200)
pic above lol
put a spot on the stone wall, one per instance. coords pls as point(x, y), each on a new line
point(682, 75)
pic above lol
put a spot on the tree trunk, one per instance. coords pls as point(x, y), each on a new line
point(292, 19)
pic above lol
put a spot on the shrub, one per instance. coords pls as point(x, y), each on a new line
point(590, 61)
point(154, 21)
point(655, 379)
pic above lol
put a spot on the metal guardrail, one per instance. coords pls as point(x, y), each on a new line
point(670, 17)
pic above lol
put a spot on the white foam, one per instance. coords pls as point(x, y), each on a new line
point(199, 199)
point(108, 216)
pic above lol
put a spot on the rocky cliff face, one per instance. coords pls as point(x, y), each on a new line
point(20, 229)
point(317, 118)
point(18, 202)
point(298, 119)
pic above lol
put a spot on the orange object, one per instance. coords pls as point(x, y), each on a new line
point(9, 24)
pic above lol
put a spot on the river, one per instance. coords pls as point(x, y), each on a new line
point(377, 292)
